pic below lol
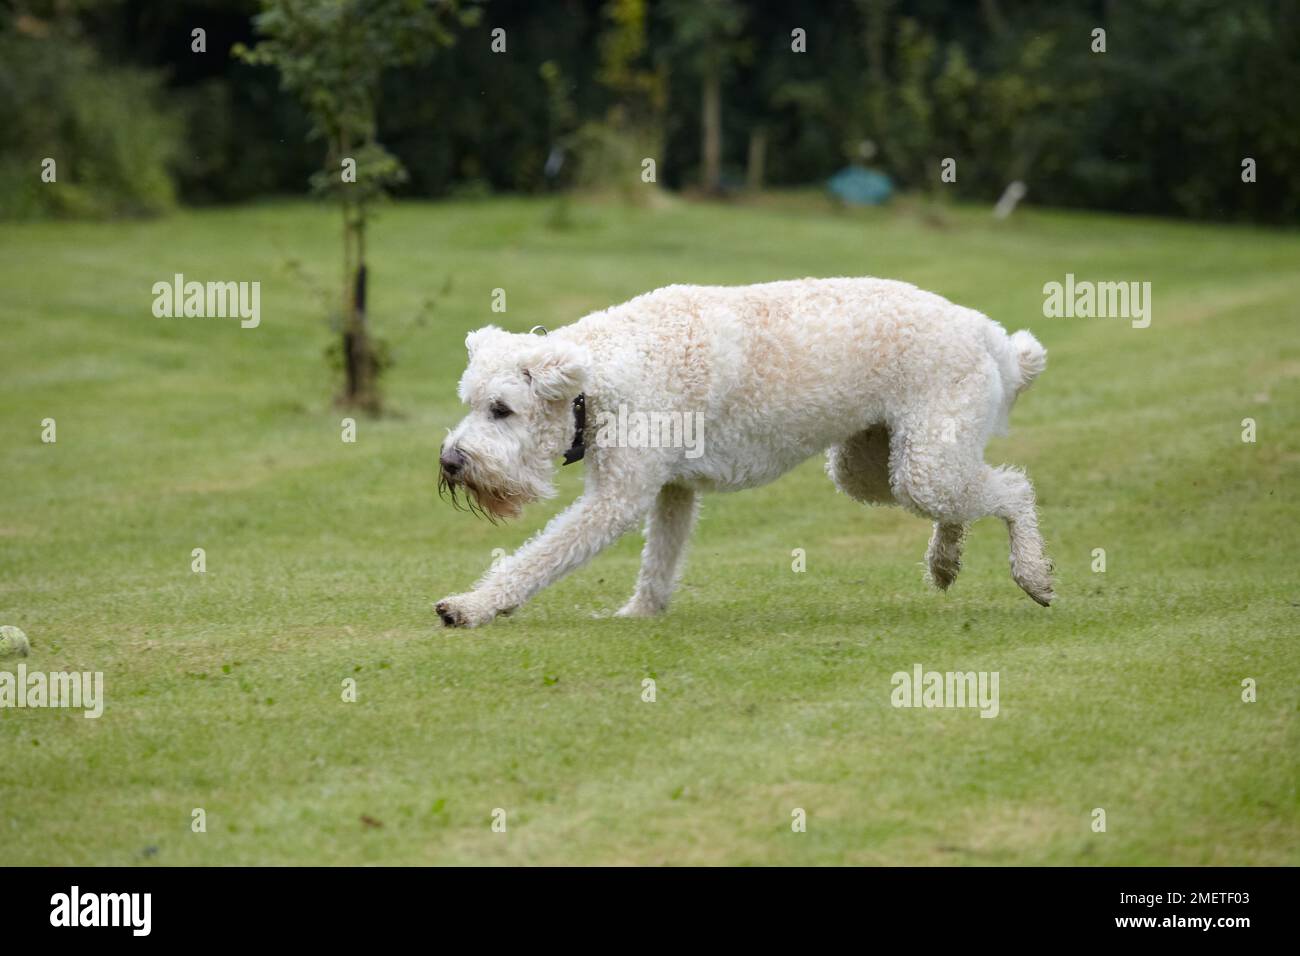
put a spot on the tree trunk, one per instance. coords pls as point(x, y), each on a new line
point(711, 112)
point(757, 158)
point(359, 365)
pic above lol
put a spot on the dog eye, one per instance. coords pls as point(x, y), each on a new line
point(500, 410)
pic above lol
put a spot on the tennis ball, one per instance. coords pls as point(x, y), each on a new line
point(13, 642)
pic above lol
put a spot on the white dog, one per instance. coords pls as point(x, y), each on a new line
point(903, 387)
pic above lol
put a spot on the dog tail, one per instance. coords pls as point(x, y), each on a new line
point(1031, 358)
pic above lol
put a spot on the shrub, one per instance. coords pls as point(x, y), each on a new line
point(112, 141)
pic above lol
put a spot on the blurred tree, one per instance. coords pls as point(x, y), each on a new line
point(331, 54)
point(562, 116)
point(610, 149)
point(111, 135)
point(639, 87)
point(1160, 123)
point(707, 38)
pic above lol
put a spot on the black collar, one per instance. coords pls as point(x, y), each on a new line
point(579, 446)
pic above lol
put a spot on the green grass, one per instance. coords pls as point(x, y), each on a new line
point(323, 558)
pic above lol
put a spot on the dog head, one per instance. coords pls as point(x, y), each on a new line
point(520, 391)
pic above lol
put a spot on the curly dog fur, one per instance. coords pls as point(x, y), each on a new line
point(901, 388)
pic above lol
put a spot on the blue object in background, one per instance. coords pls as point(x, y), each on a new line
point(859, 186)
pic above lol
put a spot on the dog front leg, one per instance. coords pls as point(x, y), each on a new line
point(569, 540)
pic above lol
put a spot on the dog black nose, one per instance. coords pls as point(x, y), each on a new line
point(452, 461)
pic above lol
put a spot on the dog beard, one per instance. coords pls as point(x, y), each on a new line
point(484, 492)
point(489, 499)
point(479, 501)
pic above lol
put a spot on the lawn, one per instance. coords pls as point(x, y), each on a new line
point(224, 689)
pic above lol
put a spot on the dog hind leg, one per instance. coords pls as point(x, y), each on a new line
point(949, 482)
point(667, 530)
point(1010, 496)
point(943, 556)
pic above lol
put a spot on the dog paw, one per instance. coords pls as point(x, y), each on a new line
point(1040, 589)
point(941, 574)
point(1044, 597)
point(638, 607)
point(463, 610)
point(1032, 570)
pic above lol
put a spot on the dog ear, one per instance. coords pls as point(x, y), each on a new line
point(556, 369)
point(479, 336)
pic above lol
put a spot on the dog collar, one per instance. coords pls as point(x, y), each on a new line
point(578, 449)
